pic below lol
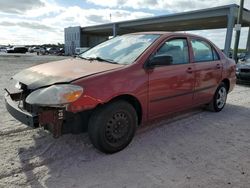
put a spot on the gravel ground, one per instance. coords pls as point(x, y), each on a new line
point(196, 149)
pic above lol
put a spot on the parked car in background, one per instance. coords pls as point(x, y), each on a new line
point(37, 49)
point(43, 51)
point(30, 50)
point(80, 50)
point(53, 50)
point(122, 84)
point(241, 56)
point(61, 51)
point(243, 69)
point(17, 49)
point(3, 49)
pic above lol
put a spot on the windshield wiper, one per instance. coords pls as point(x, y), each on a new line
point(100, 59)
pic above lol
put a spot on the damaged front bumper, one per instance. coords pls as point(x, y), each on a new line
point(13, 106)
point(50, 118)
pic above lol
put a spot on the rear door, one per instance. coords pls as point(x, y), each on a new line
point(208, 70)
point(171, 86)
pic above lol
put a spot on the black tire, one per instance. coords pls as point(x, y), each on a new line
point(112, 126)
point(220, 94)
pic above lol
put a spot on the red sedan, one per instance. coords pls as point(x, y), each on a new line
point(122, 84)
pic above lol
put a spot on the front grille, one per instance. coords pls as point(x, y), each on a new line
point(245, 70)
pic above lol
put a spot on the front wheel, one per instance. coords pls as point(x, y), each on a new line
point(219, 98)
point(112, 126)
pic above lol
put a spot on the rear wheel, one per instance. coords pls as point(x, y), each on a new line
point(219, 99)
point(112, 126)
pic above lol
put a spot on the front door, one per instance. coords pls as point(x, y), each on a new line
point(171, 86)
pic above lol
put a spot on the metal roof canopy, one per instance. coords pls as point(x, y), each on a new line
point(211, 18)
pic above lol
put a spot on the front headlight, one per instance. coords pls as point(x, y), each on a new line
point(55, 95)
point(237, 69)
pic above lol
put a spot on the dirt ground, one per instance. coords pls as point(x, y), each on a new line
point(198, 149)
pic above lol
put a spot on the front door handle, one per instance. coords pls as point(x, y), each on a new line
point(218, 66)
point(189, 70)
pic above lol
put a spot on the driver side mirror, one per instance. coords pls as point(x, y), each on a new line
point(160, 60)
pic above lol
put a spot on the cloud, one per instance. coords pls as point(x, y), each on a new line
point(20, 6)
point(45, 24)
point(30, 25)
point(96, 18)
point(168, 5)
point(75, 16)
point(43, 21)
point(16, 35)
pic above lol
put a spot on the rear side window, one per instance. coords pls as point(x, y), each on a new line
point(203, 51)
point(177, 48)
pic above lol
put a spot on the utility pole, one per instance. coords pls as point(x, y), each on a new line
point(238, 28)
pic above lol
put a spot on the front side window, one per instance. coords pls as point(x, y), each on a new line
point(202, 51)
point(177, 48)
point(123, 49)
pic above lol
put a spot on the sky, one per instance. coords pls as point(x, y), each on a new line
point(25, 22)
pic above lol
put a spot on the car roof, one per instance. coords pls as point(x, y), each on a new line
point(165, 33)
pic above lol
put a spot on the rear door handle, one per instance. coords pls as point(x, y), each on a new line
point(189, 70)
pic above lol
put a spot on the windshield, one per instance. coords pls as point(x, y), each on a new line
point(121, 49)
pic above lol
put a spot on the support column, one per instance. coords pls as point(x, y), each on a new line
point(248, 42)
point(237, 34)
point(115, 29)
point(229, 34)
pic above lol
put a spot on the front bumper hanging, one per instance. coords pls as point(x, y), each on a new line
point(12, 105)
point(49, 118)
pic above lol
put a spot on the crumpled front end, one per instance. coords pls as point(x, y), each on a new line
point(55, 119)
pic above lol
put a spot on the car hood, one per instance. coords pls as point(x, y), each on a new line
point(63, 71)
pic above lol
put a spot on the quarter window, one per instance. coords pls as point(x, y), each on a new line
point(215, 54)
point(177, 48)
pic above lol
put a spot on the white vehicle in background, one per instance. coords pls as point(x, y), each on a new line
point(33, 49)
point(80, 50)
point(36, 49)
